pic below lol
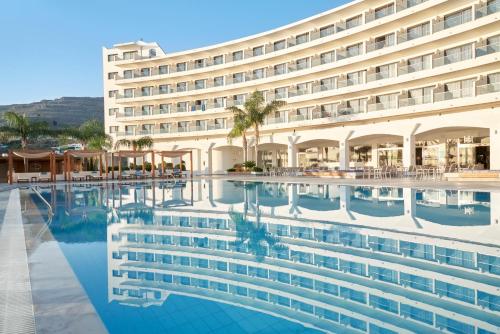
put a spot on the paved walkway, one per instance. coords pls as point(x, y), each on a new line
point(16, 303)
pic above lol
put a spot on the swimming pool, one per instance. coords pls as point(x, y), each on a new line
point(215, 256)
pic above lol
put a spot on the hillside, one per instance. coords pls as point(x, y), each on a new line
point(60, 112)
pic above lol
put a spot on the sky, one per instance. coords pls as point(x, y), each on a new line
point(52, 48)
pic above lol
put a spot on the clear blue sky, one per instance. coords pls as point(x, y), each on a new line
point(52, 48)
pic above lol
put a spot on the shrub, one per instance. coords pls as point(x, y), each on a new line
point(249, 164)
point(257, 169)
point(230, 170)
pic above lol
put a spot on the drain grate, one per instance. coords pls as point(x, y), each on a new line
point(16, 303)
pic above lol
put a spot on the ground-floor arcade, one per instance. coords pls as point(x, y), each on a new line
point(466, 139)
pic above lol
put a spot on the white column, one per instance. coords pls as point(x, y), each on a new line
point(206, 160)
point(374, 155)
point(274, 159)
point(344, 154)
point(409, 198)
point(345, 198)
point(409, 150)
point(292, 155)
point(495, 148)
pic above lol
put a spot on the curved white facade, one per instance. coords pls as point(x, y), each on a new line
point(378, 82)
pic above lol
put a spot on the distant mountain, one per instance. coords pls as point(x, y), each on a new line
point(60, 112)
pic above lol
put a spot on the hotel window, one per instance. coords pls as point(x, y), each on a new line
point(356, 106)
point(385, 71)
point(147, 110)
point(280, 93)
point(219, 81)
point(219, 123)
point(354, 50)
point(302, 64)
point(354, 78)
point(419, 95)
point(492, 46)
point(182, 106)
point(328, 110)
point(112, 111)
point(128, 111)
point(201, 125)
point(327, 84)
point(387, 101)
point(239, 99)
point(327, 31)
point(238, 77)
point(181, 86)
point(199, 63)
point(112, 75)
point(165, 108)
point(113, 57)
point(219, 102)
point(146, 91)
point(145, 72)
point(165, 128)
point(258, 51)
point(129, 92)
point(183, 127)
point(279, 69)
point(384, 11)
point(302, 88)
point(417, 64)
point(353, 22)
point(129, 55)
point(199, 84)
point(458, 89)
point(418, 31)
point(128, 74)
point(237, 55)
point(164, 89)
point(457, 18)
point(113, 129)
point(180, 67)
point(383, 41)
point(301, 39)
point(129, 130)
point(258, 73)
point(163, 69)
point(327, 57)
point(218, 60)
point(279, 45)
point(457, 54)
point(199, 105)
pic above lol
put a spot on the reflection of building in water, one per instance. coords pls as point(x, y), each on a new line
point(335, 257)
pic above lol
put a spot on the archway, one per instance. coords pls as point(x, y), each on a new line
point(225, 157)
point(464, 147)
point(322, 153)
point(272, 155)
point(376, 150)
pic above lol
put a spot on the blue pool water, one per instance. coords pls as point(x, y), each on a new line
point(214, 256)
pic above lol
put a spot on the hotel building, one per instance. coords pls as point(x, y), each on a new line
point(333, 258)
point(404, 82)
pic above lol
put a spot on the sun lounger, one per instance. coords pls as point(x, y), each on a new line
point(44, 177)
point(95, 176)
point(77, 176)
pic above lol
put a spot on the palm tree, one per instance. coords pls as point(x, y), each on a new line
point(240, 128)
point(91, 135)
point(257, 110)
point(136, 144)
point(21, 127)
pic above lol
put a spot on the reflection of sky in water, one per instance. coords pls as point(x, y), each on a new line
point(272, 258)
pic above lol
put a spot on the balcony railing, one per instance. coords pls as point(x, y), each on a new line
point(451, 22)
point(453, 94)
point(378, 76)
point(488, 88)
point(373, 46)
point(413, 101)
point(406, 69)
point(348, 53)
point(402, 5)
point(378, 14)
point(488, 9)
point(487, 49)
point(382, 106)
point(453, 58)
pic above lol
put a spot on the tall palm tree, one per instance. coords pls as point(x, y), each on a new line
point(21, 127)
point(240, 128)
point(257, 111)
point(135, 144)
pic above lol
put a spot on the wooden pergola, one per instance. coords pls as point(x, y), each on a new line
point(34, 155)
point(175, 154)
point(71, 154)
point(132, 154)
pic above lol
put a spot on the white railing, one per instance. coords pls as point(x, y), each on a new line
point(412, 101)
point(451, 22)
point(486, 9)
point(453, 94)
point(488, 88)
point(453, 58)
